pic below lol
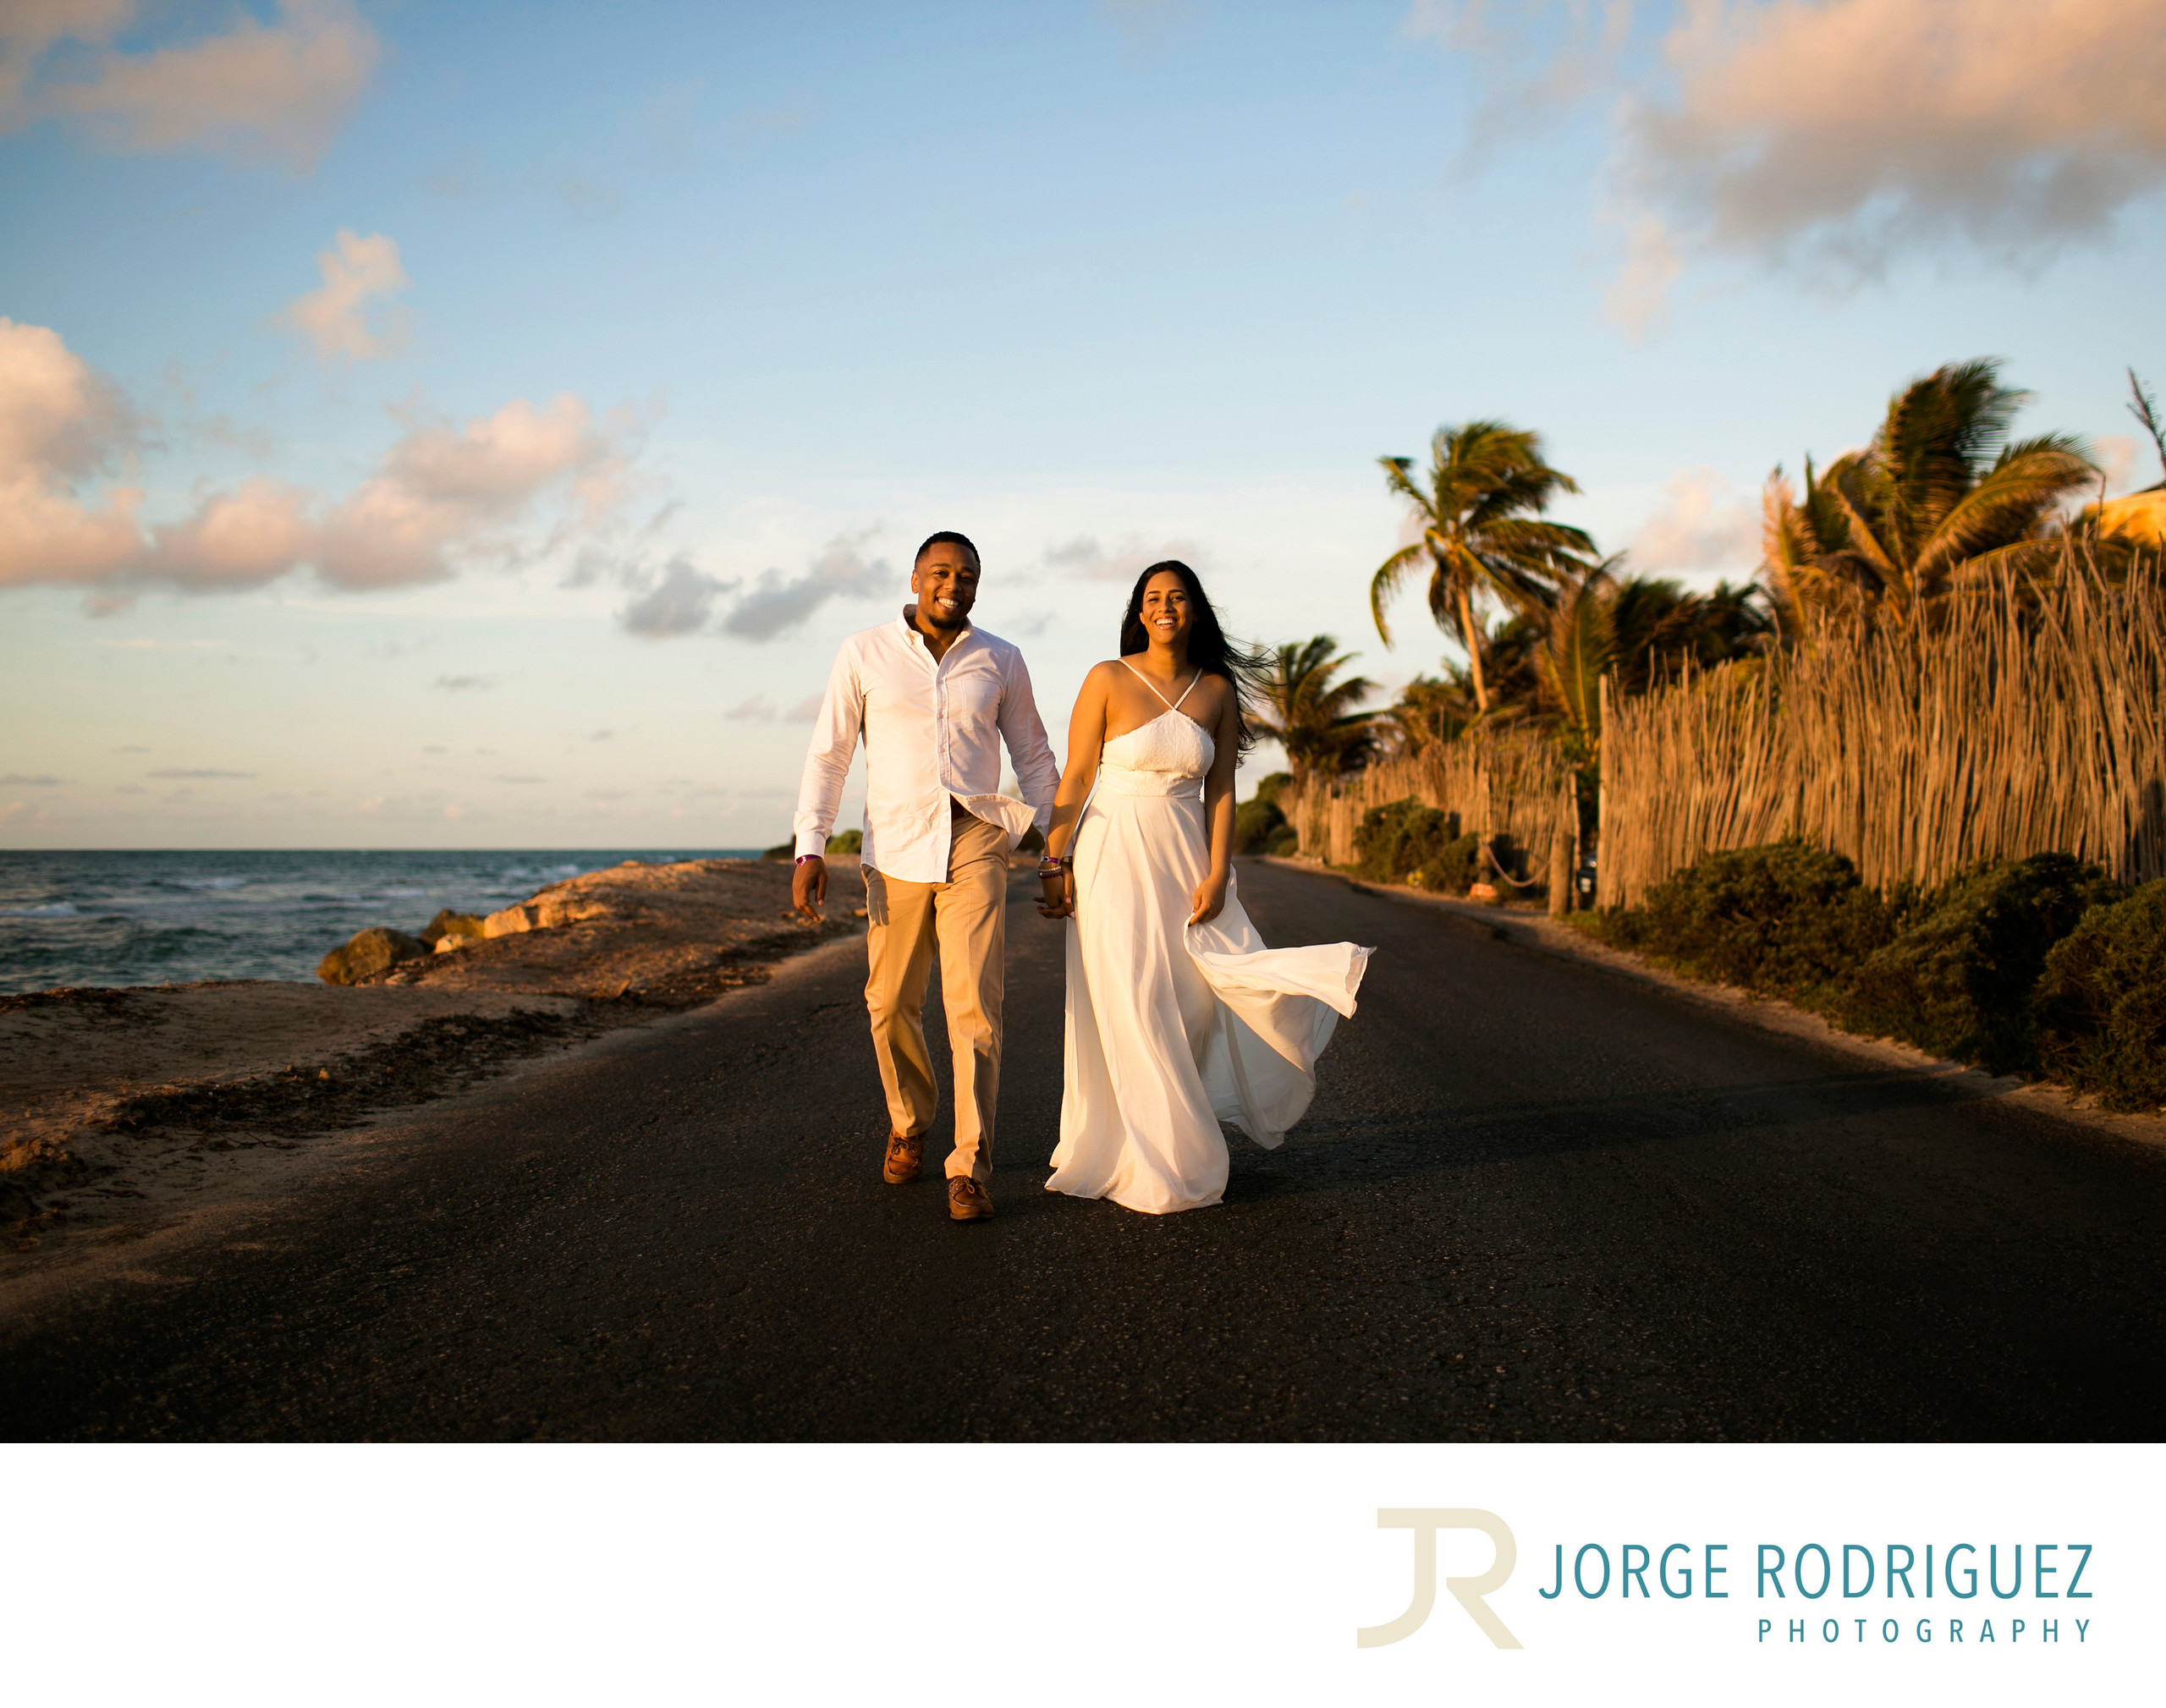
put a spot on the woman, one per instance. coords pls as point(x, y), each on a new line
point(1178, 1018)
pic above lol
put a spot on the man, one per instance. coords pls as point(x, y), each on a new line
point(934, 698)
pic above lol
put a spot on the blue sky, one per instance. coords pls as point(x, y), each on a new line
point(475, 425)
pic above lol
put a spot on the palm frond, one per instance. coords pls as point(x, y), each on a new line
point(1576, 651)
point(1385, 583)
point(2012, 502)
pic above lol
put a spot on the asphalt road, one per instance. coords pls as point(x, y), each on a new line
point(1533, 1200)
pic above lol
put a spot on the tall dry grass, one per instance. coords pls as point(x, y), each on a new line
point(2023, 719)
point(1513, 783)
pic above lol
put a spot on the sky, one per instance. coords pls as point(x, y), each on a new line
point(427, 425)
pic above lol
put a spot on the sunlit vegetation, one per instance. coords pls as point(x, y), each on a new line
point(1912, 776)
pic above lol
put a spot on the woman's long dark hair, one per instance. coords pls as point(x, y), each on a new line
point(1208, 648)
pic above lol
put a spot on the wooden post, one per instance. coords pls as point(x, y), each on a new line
point(1603, 842)
point(1562, 841)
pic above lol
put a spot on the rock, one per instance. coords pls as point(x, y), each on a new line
point(670, 934)
point(447, 924)
point(588, 897)
point(367, 953)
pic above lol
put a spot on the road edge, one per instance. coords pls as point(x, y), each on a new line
point(1545, 936)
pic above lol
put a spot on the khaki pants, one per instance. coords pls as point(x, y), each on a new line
point(968, 917)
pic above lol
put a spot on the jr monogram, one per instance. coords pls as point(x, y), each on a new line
point(1425, 1522)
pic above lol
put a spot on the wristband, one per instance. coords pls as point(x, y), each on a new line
point(802, 859)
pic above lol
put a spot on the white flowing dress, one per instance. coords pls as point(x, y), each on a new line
point(1173, 1028)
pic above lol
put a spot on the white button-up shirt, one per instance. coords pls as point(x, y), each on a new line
point(932, 730)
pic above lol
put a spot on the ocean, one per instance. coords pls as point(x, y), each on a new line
point(152, 918)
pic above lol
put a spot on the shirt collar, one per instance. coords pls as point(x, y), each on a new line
point(913, 635)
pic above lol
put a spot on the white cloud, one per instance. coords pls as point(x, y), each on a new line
point(1085, 557)
point(679, 601)
point(1147, 28)
point(278, 90)
point(2116, 453)
point(335, 318)
point(759, 708)
point(59, 422)
point(1704, 523)
point(777, 604)
point(442, 494)
point(1539, 58)
point(1638, 298)
point(1840, 136)
point(1840, 133)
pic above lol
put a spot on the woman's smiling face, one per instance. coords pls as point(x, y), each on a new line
point(1166, 612)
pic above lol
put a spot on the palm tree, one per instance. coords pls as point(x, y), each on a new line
point(2144, 408)
point(1576, 650)
point(1429, 710)
point(1628, 627)
point(1312, 717)
point(1939, 496)
point(1655, 624)
point(1481, 532)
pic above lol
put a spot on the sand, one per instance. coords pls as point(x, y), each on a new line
point(121, 1110)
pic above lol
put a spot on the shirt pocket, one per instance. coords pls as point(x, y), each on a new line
point(974, 697)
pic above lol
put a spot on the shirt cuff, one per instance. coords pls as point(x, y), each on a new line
point(810, 842)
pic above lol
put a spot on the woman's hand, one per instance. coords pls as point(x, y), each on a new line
point(1210, 899)
point(1057, 900)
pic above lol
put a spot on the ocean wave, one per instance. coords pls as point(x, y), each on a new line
point(209, 883)
point(570, 869)
point(42, 910)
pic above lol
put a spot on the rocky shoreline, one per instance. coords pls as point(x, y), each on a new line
point(123, 1109)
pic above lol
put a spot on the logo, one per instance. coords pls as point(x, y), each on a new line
point(1425, 1522)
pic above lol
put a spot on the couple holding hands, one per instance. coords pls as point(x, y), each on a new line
point(1178, 1017)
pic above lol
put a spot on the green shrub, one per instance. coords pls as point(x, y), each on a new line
point(1285, 840)
point(1270, 787)
point(2100, 1007)
point(1785, 917)
point(1402, 837)
point(1255, 822)
point(846, 842)
point(1452, 868)
point(1957, 980)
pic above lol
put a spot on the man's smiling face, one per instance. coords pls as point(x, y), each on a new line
point(946, 585)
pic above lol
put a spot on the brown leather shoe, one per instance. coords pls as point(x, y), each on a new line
point(967, 1200)
point(905, 1158)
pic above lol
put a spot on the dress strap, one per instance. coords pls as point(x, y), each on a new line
point(1170, 704)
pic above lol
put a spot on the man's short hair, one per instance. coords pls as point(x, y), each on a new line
point(948, 537)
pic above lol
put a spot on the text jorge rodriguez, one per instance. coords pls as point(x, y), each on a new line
point(2027, 1574)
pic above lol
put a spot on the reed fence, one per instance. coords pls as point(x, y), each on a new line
point(2024, 719)
point(1515, 783)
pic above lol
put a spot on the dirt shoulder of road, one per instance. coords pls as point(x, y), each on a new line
point(1534, 930)
point(122, 1110)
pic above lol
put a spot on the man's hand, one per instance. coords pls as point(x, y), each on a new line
point(808, 887)
point(1057, 895)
